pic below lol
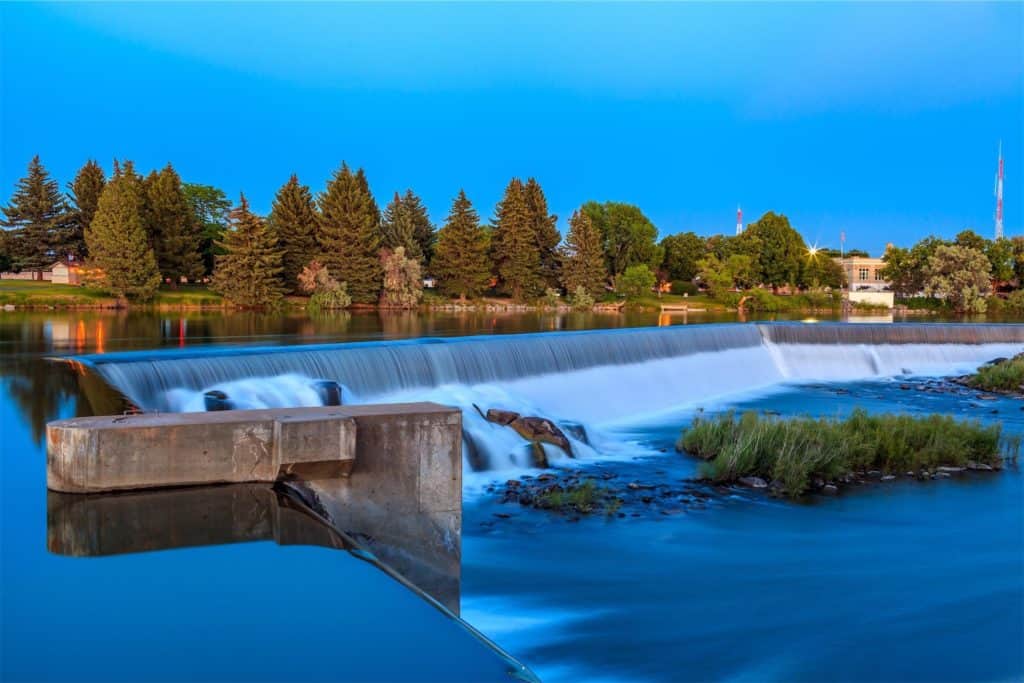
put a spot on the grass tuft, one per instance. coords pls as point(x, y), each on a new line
point(797, 451)
point(1004, 376)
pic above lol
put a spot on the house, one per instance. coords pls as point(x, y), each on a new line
point(864, 274)
point(65, 274)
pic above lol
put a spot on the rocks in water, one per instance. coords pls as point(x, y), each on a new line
point(329, 392)
point(888, 477)
point(754, 482)
point(217, 400)
point(502, 417)
point(949, 470)
point(830, 489)
point(536, 430)
point(577, 431)
point(979, 466)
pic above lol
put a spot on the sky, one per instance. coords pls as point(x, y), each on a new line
point(880, 120)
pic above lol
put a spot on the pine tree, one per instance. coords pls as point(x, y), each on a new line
point(583, 257)
point(85, 191)
point(545, 230)
point(350, 234)
point(514, 245)
point(423, 230)
point(38, 216)
point(120, 257)
point(293, 219)
point(248, 272)
point(174, 232)
point(460, 258)
point(397, 229)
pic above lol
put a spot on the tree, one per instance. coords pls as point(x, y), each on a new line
point(397, 229)
point(423, 230)
point(38, 216)
point(293, 220)
point(722, 275)
point(173, 229)
point(682, 251)
point(627, 235)
point(905, 268)
point(636, 281)
point(971, 239)
point(85, 191)
point(960, 275)
point(326, 292)
point(514, 245)
point(248, 272)
point(349, 234)
point(210, 206)
point(545, 232)
point(461, 256)
point(820, 270)
point(1000, 256)
point(781, 250)
point(403, 279)
point(582, 257)
point(121, 260)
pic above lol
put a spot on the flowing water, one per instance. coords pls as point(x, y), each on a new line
point(910, 581)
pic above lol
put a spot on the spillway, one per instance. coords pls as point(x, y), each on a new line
point(594, 377)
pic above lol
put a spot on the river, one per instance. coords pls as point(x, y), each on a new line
point(908, 581)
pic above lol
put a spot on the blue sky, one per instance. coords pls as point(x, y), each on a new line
point(878, 119)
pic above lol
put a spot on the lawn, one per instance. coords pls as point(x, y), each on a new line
point(35, 293)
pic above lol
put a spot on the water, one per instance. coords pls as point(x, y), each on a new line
point(908, 581)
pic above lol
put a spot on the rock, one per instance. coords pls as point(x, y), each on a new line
point(502, 417)
point(329, 392)
point(830, 489)
point(539, 429)
point(978, 466)
point(540, 458)
point(754, 482)
point(941, 475)
point(949, 470)
point(888, 477)
point(875, 474)
point(513, 483)
point(577, 431)
point(777, 488)
point(217, 400)
point(905, 387)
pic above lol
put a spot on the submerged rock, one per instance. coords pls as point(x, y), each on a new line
point(217, 400)
point(754, 482)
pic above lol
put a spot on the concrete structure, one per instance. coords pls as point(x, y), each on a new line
point(388, 476)
point(864, 274)
point(872, 298)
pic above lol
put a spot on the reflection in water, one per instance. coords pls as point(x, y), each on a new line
point(95, 525)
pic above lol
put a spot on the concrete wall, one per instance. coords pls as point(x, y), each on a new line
point(872, 298)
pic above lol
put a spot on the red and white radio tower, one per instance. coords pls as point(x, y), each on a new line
point(739, 220)
point(999, 194)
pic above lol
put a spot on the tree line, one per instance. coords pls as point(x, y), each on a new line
point(133, 232)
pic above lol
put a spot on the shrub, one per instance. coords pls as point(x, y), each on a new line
point(680, 287)
point(636, 282)
point(552, 298)
point(1006, 375)
point(327, 293)
point(581, 299)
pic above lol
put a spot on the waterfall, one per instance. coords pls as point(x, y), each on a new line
point(589, 379)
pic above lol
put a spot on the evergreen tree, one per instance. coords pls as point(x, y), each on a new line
point(514, 245)
point(85, 191)
point(583, 257)
point(248, 272)
point(422, 229)
point(397, 229)
point(350, 234)
point(545, 231)
point(121, 259)
point(460, 258)
point(293, 219)
point(38, 216)
point(173, 229)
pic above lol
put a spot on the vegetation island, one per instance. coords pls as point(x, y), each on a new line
point(155, 240)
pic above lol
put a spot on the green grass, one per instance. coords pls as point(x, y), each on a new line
point(585, 498)
point(1004, 376)
point(796, 451)
point(187, 295)
point(35, 293)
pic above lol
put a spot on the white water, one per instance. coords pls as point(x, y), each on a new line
point(604, 396)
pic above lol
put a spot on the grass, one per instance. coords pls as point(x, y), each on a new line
point(33, 293)
point(797, 451)
point(1004, 376)
point(584, 498)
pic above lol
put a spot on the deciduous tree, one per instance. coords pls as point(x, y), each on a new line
point(210, 207)
point(781, 249)
point(403, 279)
point(960, 275)
point(627, 234)
point(682, 251)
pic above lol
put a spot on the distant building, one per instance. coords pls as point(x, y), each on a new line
point(65, 274)
point(864, 274)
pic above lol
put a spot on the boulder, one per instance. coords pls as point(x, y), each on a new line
point(329, 391)
point(830, 489)
point(754, 482)
point(502, 417)
point(539, 429)
point(217, 400)
point(540, 458)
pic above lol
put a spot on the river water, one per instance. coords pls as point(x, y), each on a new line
point(903, 581)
